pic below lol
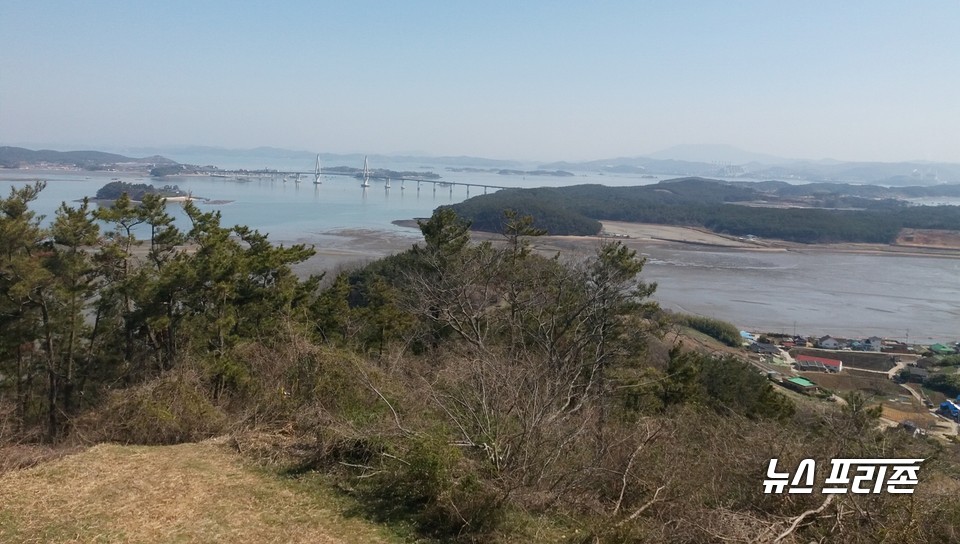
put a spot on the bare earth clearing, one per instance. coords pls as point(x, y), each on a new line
point(911, 242)
point(200, 492)
point(638, 235)
point(929, 238)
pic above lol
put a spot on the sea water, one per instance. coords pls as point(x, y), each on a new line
point(290, 211)
point(811, 292)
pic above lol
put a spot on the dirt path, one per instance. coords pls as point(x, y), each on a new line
point(187, 493)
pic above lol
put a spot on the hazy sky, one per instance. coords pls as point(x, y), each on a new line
point(542, 80)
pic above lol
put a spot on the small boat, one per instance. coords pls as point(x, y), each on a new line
point(317, 173)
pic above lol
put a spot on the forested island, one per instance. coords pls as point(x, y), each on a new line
point(136, 191)
point(512, 172)
point(814, 213)
point(383, 173)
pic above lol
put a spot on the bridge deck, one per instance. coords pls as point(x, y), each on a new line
point(307, 175)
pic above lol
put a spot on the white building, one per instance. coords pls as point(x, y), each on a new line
point(828, 342)
point(873, 343)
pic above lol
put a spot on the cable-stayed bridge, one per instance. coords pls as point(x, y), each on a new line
point(317, 176)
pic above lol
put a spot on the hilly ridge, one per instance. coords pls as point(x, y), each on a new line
point(15, 157)
point(813, 213)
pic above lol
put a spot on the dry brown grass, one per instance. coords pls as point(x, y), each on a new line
point(850, 380)
point(198, 492)
point(20, 456)
point(908, 412)
point(898, 405)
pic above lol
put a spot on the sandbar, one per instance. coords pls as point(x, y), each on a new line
point(350, 248)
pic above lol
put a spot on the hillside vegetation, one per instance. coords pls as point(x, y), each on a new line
point(467, 392)
point(815, 213)
point(135, 191)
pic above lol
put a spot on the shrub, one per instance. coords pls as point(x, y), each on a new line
point(949, 360)
point(714, 328)
point(948, 384)
point(434, 486)
point(171, 409)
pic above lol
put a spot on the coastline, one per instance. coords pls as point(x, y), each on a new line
point(168, 199)
point(346, 249)
point(638, 235)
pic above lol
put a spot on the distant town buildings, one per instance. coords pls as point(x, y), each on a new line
point(782, 357)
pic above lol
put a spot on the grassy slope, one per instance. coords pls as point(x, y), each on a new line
point(187, 493)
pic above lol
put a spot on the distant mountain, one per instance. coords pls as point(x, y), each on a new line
point(461, 161)
point(204, 150)
point(273, 157)
point(13, 157)
point(877, 173)
point(635, 165)
point(260, 157)
point(716, 153)
point(716, 161)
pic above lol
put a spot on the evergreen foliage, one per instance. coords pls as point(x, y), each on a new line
point(474, 392)
point(710, 204)
point(948, 384)
point(82, 311)
point(135, 191)
point(714, 328)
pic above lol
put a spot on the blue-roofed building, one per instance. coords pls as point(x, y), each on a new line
point(951, 409)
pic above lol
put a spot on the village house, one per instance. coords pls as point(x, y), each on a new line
point(788, 342)
point(874, 343)
point(941, 349)
point(821, 364)
point(914, 374)
point(764, 349)
point(801, 385)
point(892, 346)
point(828, 342)
point(925, 362)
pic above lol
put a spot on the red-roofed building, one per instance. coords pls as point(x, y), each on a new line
point(807, 362)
